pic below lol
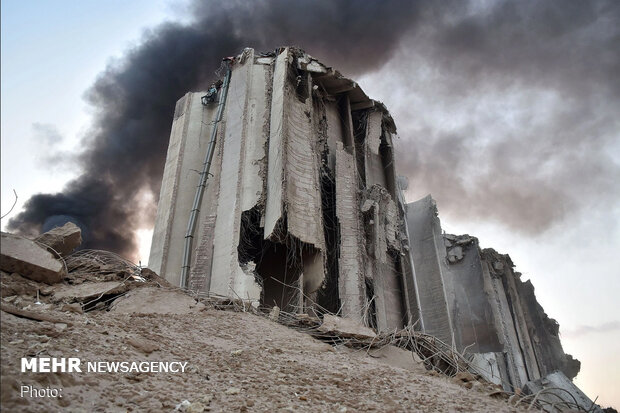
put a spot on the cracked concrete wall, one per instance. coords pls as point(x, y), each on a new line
point(384, 250)
point(501, 268)
point(238, 161)
point(470, 311)
point(544, 334)
point(473, 299)
point(504, 325)
point(351, 276)
point(188, 142)
point(293, 171)
point(425, 236)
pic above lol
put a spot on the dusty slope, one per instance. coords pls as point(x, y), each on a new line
point(236, 362)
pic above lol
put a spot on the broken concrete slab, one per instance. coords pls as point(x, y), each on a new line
point(556, 387)
point(63, 240)
point(491, 367)
point(29, 259)
point(85, 291)
point(345, 327)
point(153, 300)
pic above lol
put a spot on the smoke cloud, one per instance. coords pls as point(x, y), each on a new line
point(505, 110)
point(588, 329)
point(512, 115)
point(135, 99)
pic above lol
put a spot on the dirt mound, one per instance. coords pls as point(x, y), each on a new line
point(235, 361)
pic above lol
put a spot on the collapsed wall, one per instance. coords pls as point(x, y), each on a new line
point(302, 209)
point(301, 196)
point(472, 299)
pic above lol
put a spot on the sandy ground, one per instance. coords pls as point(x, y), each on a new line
point(235, 362)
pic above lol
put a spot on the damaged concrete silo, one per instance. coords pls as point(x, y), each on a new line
point(472, 298)
point(280, 186)
point(301, 195)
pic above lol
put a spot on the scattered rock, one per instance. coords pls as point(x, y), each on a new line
point(72, 308)
point(196, 407)
point(464, 376)
point(182, 407)
point(206, 399)
point(151, 275)
point(236, 352)
point(60, 326)
point(64, 240)
point(274, 314)
point(32, 261)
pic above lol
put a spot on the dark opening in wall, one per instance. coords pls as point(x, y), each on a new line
point(368, 217)
point(371, 315)
point(283, 268)
point(279, 271)
point(300, 81)
point(344, 106)
point(401, 297)
point(360, 120)
point(387, 160)
point(328, 296)
point(250, 236)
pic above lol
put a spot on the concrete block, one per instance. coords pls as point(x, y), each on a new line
point(29, 259)
point(64, 240)
point(345, 328)
point(556, 387)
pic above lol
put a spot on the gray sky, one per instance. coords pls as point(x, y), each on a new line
point(507, 113)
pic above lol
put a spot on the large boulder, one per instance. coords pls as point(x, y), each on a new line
point(29, 259)
point(64, 240)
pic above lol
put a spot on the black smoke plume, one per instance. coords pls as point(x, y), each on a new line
point(505, 109)
point(135, 100)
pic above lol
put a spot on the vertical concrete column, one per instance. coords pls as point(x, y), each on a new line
point(351, 278)
point(504, 326)
point(423, 229)
point(274, 207)
point(227, 277)
point(188, 141)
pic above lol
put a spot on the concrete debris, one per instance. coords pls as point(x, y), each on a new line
point(182, 407)
point(455, 244)
point(345, 328)
point(153, 300)
point(196, 407)
point(274, 314)
point(557, 390)
point(85, 291)
point(32, 315)
point(26, 257)
point(72, 308)
point(63, 240)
